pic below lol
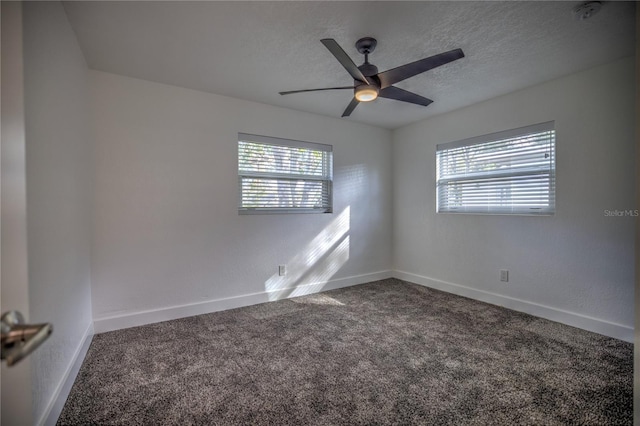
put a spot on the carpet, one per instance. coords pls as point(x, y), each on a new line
point(387, 352)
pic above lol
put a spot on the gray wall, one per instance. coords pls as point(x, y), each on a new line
point(576, 266)
point(168, 240)
point(59, 173)
point(16, 380)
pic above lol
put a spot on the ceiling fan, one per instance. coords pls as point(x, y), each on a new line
point(369, 84)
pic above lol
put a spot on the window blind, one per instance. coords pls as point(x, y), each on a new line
point(511, 172)
point(283, 176)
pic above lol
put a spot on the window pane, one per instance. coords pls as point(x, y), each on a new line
point(284, 178)
point(264, 192)
point(255, 157)
point(514, 174)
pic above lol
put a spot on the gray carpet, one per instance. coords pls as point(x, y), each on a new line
point(387, 352)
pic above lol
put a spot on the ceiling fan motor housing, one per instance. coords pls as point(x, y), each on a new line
point(367, 91)
point(369, 70)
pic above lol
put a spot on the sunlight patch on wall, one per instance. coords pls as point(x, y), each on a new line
point(313, 267)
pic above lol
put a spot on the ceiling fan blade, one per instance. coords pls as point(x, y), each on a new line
point(344, 59)
point(316, 90)
point(395, 75)
point(399, 94)
point(354, 103)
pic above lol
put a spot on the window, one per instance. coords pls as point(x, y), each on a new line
point(283, 176)
point(511, 172)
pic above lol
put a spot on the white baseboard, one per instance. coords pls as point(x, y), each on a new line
point(59, 397)
point(606, 328)
point(135, 319)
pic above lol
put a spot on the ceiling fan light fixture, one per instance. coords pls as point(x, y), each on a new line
point(366, 93)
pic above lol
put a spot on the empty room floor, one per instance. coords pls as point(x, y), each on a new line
point(387, 352)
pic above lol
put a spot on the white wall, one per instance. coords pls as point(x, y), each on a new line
point(576, 266)
point(59, 173)
point(168, 240)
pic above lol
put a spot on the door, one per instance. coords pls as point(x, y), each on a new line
point(15, 408)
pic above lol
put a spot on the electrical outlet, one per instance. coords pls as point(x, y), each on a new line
point(504, 275)
point(282, 270)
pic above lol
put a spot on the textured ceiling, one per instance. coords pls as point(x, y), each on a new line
point(253, 50)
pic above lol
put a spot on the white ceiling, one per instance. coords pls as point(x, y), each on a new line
point(253, 50)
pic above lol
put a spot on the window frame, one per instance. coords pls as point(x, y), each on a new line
point(494, 138)
point(326, 178)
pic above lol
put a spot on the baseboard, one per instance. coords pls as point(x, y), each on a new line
point(135, 319)
point(59, 397)
point(606, 328)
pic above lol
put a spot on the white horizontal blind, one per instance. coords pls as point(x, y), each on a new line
point(283, 176)
point(511, 172)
